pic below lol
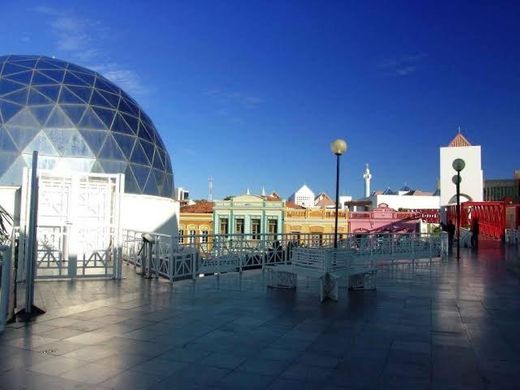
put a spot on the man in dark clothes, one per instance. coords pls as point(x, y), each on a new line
point(450, 228)
point(475, 229)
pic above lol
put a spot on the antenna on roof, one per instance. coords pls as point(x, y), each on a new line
point(263, 191)
point(459, 129)
point(210, 188)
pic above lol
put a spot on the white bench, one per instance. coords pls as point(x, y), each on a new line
point(329, 265)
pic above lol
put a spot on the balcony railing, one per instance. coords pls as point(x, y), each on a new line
point(181, 257)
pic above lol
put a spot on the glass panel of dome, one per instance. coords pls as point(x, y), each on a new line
point(56, 75)
point(97, 99)
point(121, 126)
point(150, 186)
point(102, 84)
point(97, 168)
point(111, 98)
point(83, 92)
point(138, 155)
point(24, 118)
point(51, 91)
point(29, 63)
point(22, 77)
point(125, 107)
point(89, 78)
point(7, 86)
point(131, 120)
point(141, 173)
point(76, 68)
point(126, 142)
point(91, 121)
point(9, 110)
point(148, 149)
point(72, 79)
point(10, 68)
point(58, 119)
point(41, 113)
point(36, 98)
point(111, 150)
point(68, 97)
point(6, 143)
point(110, 166)
point(130, 183)
point(42, 144)
point(157, 163)
point(13, 173)
point(74, 112)
point(106, 115)
point(42, 64)
point(94, 139)
point(21, 136)
point(41, 79)
point(68, 143)
point(144, 132)
point(19, 96)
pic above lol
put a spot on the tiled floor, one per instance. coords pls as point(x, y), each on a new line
point(448, 326)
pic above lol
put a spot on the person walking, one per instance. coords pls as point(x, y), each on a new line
point(475, 230)
point(450, 228)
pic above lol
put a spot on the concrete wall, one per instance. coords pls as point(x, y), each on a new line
point(471, 187)
point(406, 201)
point(149, 213)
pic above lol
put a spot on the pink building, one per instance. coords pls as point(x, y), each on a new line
point(384, 219)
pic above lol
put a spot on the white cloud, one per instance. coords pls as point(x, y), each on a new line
point(401, 66)
point(228, 97)
point(81, 39)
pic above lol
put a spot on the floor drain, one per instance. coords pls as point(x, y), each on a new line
point(47, 351)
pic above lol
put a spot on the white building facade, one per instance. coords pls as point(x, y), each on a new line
point(472, 183)
point(303, 197)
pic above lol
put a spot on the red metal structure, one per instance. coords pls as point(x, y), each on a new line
point(491, 217)
point(427, 215)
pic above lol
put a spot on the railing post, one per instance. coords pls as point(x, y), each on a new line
point(72, 266)
point(5, 286)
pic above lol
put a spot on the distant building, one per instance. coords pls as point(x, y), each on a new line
point(314, 221)
point(196, 220)
point(471, 186)
point(503, 189)
point(405, 199)
point(324, 201)
point(384, 219)
point(249, 214)
point(303, 197)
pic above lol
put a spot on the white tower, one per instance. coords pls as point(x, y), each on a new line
point(367, 176)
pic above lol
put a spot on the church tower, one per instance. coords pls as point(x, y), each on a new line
point(472, 183)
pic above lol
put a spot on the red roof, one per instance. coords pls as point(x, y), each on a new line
point(202, 206)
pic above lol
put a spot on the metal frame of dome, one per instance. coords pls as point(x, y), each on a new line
point(76, 118)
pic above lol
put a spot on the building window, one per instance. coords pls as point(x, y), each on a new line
point(191, 238)
point(224, 225)
point(204, 237)
point(239, 226)
point(181, 236)
point(255, 228)
point(273, 228)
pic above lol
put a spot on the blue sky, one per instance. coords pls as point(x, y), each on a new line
point(251, 93)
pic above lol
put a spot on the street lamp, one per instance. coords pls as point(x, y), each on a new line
point(338, 147)
point(458, 165)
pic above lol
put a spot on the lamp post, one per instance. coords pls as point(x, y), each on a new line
point(458, 165)
point(338, 147)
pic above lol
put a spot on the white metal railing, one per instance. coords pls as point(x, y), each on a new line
point(180, 257)
point(56, 258)
point(7, 282)
point(512, 236)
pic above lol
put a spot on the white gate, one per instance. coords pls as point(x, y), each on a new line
point(78, 230)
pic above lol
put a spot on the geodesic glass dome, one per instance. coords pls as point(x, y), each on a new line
point(78, 121)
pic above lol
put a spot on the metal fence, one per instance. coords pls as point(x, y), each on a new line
point(181, 257)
